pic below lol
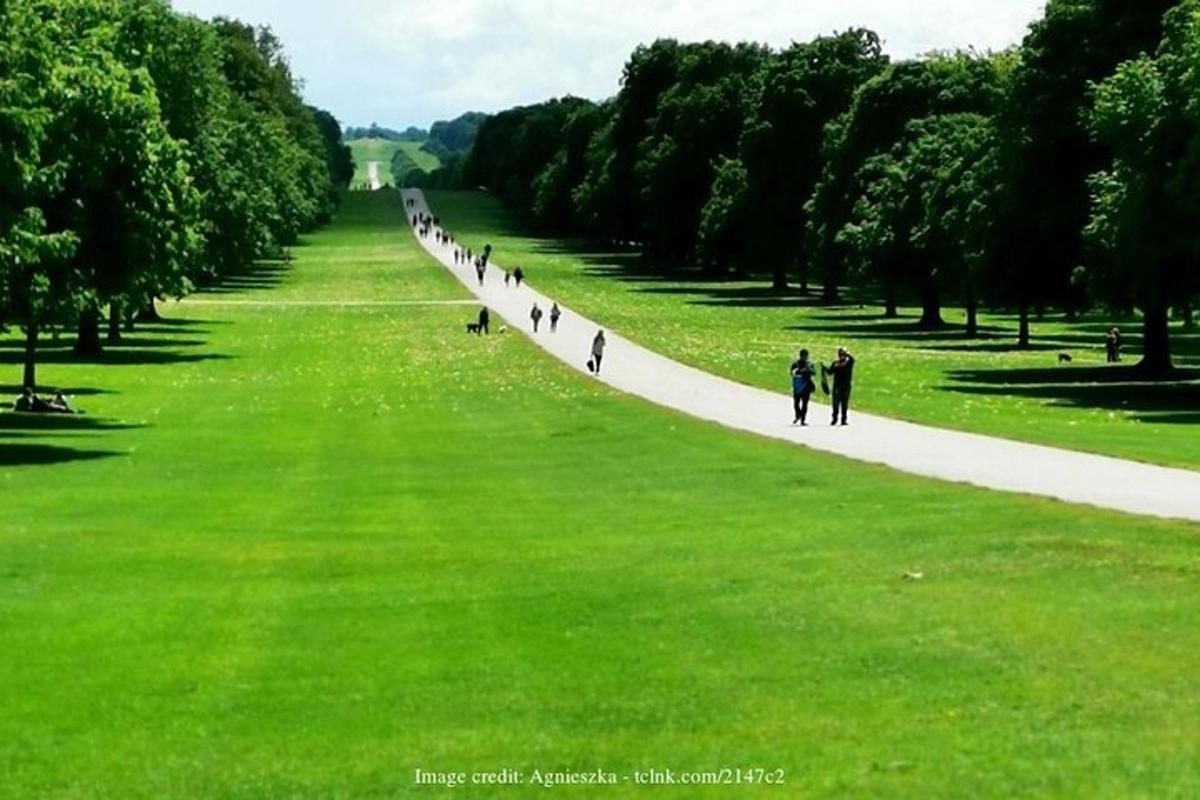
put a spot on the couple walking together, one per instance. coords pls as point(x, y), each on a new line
point(804, 383)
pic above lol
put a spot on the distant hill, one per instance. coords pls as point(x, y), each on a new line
point(410, 134)
point(451, 137)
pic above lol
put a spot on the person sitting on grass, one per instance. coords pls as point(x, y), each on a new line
point(30, 403)
point(61, 404)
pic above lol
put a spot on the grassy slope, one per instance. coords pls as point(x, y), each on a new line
point(335, 544)
point(380, 150)
point(741, 331)
point(383, 151)
point(426, 161)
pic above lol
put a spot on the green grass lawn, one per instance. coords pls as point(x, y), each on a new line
point(420, 158)
point(367, 150)
point(744, 331)
point(300, 551)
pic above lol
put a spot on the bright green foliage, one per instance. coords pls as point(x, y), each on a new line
point(800, 91)
point(724, 220)
point(513, 148)
point(1146, 204)
point(925, 218)
point(157, 150)
point(1047, 151)
point(877, 123)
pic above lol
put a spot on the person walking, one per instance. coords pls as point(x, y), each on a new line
point(555, 313)
point(842, 371)
point(803, 385)
point(536, 316)
point(484, 319)
point(480, 269)
point(507, 277)
point(518, 276)
point(598, 345)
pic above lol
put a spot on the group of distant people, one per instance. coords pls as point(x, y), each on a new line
point(29, 402)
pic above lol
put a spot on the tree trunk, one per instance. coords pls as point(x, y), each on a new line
point(1023, 331)
point(148, 312)
point(129, 319)
point(87, 343)
point(1156, 356)
point(891, 307)
point(1189, 315)
point(830, 295)
point(972, 318)
point(31, 339)
point(114, 322)
point(803, 277)
point(779, 280)
point(931, 307)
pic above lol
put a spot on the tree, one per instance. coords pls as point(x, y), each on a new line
point(32, 258)
point(725, 217)
point(877, 120)
point(798, 93)
point(1144, 205)
point(1047, 151)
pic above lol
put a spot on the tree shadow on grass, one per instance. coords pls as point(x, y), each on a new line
point(116, 357)
point(127, 342)
point(262, 276)
point(22, 455)
point(58, 423)
point(1172, 400)
point(16, 426)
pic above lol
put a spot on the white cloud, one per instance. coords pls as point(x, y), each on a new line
point(414, 61)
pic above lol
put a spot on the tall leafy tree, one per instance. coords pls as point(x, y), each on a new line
point(1144, 205)
point(877, 120)
point(1047, 151)
point(798, 93)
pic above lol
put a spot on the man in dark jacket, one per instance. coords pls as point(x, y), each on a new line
point(842, 371)
point(484, 318)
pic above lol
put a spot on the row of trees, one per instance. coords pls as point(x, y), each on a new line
point(143, 153)
point(1053, 175)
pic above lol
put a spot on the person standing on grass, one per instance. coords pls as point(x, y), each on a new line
point(842, 371)
point(536, 316)
point(555, 313)
point(518, 276)
point(484, 318)
point(598, 345)
point(803, 384)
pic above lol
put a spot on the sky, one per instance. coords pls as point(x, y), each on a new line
point(411, 62)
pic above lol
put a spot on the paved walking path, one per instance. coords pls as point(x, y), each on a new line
point(933, 452)
point(373, 175)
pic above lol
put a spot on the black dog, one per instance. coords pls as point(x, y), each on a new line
point(1065, 358)
point(473, 327)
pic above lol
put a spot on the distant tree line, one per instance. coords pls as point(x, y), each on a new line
point(449, 140)
point(144, 153)
point(1061, 174)
point(409, 134)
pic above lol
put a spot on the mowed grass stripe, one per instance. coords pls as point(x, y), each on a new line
point(337, 544)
